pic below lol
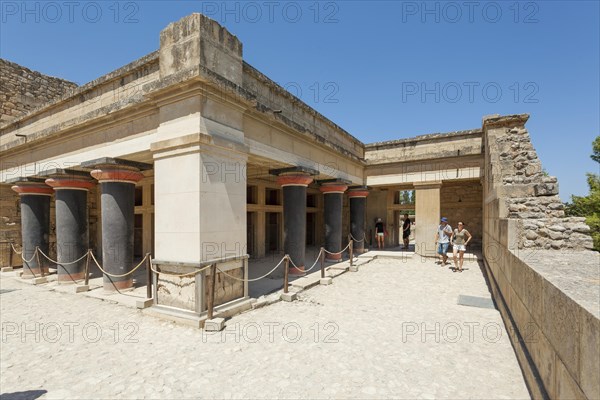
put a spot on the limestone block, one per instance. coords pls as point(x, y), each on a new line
point(590, 355)
point(532, 293)
point(141, 304)
point(326, 281)
point(81, 288)
point(7, 269)
point(543, 356)
point(566, 387)
point(39, 280)
point(214, 325)
point(290, 296)
point(546, 189)
point(561, 325)
point(354, 268)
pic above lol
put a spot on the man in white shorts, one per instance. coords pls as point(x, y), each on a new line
point(442, 238)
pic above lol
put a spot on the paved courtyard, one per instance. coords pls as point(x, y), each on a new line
point(392, 330)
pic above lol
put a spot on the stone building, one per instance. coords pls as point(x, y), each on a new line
point(192, 155)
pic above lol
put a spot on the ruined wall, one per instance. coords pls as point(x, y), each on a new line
point(10, 225)
point(543, 278)
point(22, 90)
point(462, 201)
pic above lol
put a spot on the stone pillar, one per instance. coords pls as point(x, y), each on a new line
point(333, 202)
point(117, 184)
point(427, 215)
point(35, 223)
point(72, 234)
point(294, 217)
point(358, 208)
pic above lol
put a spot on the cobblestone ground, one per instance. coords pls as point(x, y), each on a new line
point(391, 330)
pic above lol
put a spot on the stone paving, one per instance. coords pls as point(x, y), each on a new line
point(391, 330)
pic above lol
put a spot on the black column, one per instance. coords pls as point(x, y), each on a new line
point(35, 226)
point(294, 218)
point(72, 233)
point(358, 209)
point(118, 208)
point(333, 202)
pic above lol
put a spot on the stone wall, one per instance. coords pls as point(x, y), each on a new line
point(184, 292)
point(461, 201)
point(23, 90)
point(10, 225)
point(543, 279)
point(530, 196)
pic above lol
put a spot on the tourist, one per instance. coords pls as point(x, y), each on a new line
point(459, 245)
point(406, 231)
point(379, 233)
point(442, 238)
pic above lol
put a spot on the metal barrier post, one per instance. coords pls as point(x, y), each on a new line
point(10, 255)
point(148, 277)
point(211, 290)
point(285, 273)
point(87, 268)
point(351, 247)
point(322, 256)
point(37, 256)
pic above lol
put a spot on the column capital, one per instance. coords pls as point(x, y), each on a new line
point(294, 180)
point(328, 188)
point(68, 183)
point(358, 192)
point(117, 175)
point(59, 178)
point(39, 189)
point(28, 185)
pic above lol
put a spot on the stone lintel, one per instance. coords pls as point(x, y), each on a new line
point(65, 173)
point(298, 169)
point(498, 121)
point(427, 185)
point(116, 162)
point(26, 180)
point(335, 181)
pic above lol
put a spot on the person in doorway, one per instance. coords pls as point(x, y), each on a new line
point(442, 238)
point(379, 233)
point(406, 231)
point(459, 245)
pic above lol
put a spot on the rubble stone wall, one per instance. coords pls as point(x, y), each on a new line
point(542, 274)
point(23, 90)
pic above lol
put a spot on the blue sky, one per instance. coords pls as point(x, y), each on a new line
point(381, 70)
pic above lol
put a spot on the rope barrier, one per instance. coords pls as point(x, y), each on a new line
point(180, 275)
point(307, 270)
point(339, 252)
point(121, 275)
point(253, 279)
point(62, 263)
point(15, 250)
point(356, 240)
point(32, 257)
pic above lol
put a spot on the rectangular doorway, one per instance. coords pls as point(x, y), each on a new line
point(251, 233)
point(272, 241)
point(310, 229)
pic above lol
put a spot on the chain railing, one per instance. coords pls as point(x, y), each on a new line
point(204, 266)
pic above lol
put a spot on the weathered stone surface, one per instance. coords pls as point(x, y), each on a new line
point(590, 355)
point(25, 90)
point(566, 386)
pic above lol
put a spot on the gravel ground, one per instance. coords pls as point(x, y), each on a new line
point(391, 330)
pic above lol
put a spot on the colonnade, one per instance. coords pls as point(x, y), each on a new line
point(294, 186)
point(117, 179)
